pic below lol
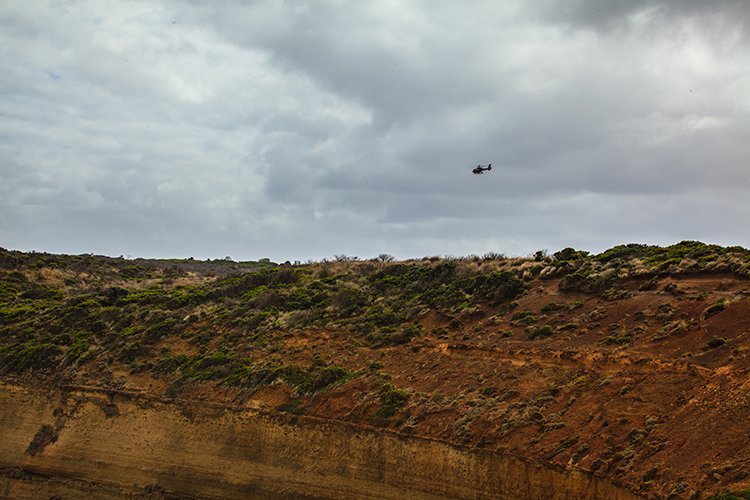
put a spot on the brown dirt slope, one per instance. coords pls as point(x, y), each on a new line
point(631, 365)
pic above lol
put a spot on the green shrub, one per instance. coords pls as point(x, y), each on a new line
point(161, 329)
point(582, 281)
point(188, 296)
point(315, 378)
point(132, 351)
point(322, 378)
point(151, 295)
point(496, 287)
point(37, 292)
point(11, 285)
point(446, 297)
point(392, 336)
point(569, 254)
point(9, 314)
point(542, 331)
point(301, 298)
point(79, 347)
point(714, 309)
point(391, 400)
point(665, 311)
point(112, 295)
point(567, 327)
point(618, 339)
point(170, 364)
point(349, 300)
point(524, 318)
point(553, 307)
point(28, 355)
point(411, 280)
point(672, 328)
point(239, 285)
point(715, 342)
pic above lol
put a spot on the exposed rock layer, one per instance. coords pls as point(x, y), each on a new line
point(76, 443)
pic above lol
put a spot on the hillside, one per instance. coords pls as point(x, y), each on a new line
point(630, 366)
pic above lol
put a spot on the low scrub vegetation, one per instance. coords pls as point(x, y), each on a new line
point(58, 313)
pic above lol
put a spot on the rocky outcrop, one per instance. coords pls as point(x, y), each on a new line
point(73, 443)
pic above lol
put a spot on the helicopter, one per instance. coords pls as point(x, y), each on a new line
point(480, 169)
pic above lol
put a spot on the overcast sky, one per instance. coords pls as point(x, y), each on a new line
point(300, 130)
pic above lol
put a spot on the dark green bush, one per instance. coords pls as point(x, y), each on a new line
point(28, 355)
point(151, 295)
point(301, 298)
point(446, 297)
point(112, 295)
point(542, 331)
point(380, 315)
point(321, 378)
point(410, 280)
point(133, 350)
point(391, 400)
point(238, 285)
point(170, 364)
point(161, 329)
point(714, 309)
point(715, 342)
point(349, 300)
point(626, 252)
point(620, 339)
point(582, 281)
point(524, 318)
point(496, 287)
point(392, 336)
point(12, 313)
point(568, 254)
point(188, 296)
point(553, 307)
point(315, 378)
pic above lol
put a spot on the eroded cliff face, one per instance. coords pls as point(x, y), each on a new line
point(73, 443)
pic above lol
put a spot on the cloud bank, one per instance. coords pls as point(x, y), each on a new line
point(297, 130)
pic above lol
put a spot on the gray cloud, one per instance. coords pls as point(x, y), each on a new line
point(298, 130)
point(608, 14)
